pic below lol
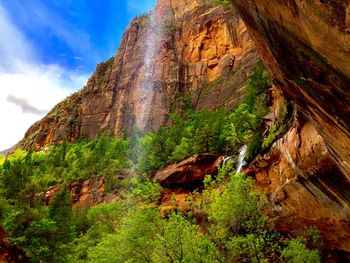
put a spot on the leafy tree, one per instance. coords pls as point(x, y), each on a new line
point(296, 252)
point(142, 189)
point(133, 241)
point(179, 240)
point(256, 85)
point(60, 214)
point(102, 220)
point(40, 241)
point(15, 176)
point(240, 127)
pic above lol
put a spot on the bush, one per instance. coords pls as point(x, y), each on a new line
point(296, 252)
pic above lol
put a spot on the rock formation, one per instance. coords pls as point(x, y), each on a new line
point(203, 55)
point(306, 174)
point(87, 193)
point(204, 52)
point(190, 171)
point(306, 45)
point(304, 186)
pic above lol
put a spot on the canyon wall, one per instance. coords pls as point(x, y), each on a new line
point(203, 53)
point(306, 174)
point(183, 54)
point(302, 182)
point(306, 45)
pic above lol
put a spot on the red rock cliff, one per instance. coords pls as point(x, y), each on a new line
point(306, 174)
point(306, 45)
point(183, 52)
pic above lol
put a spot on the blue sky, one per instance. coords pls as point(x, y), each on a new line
point(48, 49)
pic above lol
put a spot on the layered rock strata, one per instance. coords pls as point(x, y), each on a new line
point(183, 54)
point(306, 45)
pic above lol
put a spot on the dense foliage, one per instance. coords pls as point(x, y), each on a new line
point(220, 131)
point(225, 222)
point(236, 229)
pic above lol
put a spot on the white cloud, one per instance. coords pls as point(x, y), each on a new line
point(23, 76)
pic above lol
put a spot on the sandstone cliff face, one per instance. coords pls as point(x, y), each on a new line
point(306, 45)
point(184, 53)
point(203, 52)
point(306, 174)
point(86, 194)
point(190, 171)
point(304, 186)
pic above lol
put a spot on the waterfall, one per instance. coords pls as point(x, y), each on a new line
point(241, 162)
point(152, 46)
point(226, 159)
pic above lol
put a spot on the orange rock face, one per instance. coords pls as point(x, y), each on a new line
point(302, 182)
point(306, 46)
point(183, 53)
point(86, 194)
point(306, 175)
point(304, 186)
point(192, 170)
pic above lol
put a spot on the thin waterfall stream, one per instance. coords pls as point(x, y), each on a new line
point(241, 157)
point(153, 40)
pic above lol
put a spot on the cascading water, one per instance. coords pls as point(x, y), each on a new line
point(152, 41)
point(241, 157)
point(226, 159)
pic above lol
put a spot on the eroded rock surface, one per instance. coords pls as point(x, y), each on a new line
point(190, 171)
point(306, 174)
point(202, 55)
point(304, 186)
point(87, 193)
point(306, 45)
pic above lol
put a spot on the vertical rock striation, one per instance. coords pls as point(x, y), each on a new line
point(183, 54)
point(306, 45)
point(306, 174)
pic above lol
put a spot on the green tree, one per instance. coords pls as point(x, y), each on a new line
point(60, 212)
point(133, 242)
point(297, 252)
point(179, 240)
point(240, 127)
point(102, 220)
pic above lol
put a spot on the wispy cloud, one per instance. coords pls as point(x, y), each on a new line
point(76, 38)
point(26, 82)
point(25, 106)
point(40, 17)
point(12, 42)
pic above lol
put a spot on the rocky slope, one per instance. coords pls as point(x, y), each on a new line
point(183, 54)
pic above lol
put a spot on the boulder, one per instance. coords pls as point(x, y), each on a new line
point(192, 170)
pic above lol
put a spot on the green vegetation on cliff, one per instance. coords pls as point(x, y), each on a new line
point(225, 222)
point(235, 229)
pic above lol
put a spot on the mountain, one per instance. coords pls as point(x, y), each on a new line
point(7, 151)
point(201, 54)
